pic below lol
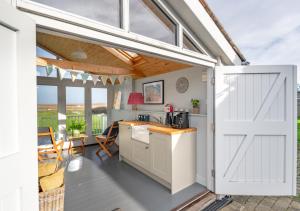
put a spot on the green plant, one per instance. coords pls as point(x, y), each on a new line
point(195, 103)
point(77, 125)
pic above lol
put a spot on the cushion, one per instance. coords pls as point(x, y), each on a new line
point(46, 168)
point(53, 181)
point(114, 132)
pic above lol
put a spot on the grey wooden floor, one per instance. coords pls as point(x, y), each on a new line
point(92, 185)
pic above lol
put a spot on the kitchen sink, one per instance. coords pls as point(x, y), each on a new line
point(140, 133)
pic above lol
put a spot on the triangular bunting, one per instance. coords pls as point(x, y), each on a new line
point(62, 73)
point(104, 79)
point(95, 79)
point(84, 77)
point(49, 69)
point(121, 79)
point(73, 76)
point(113, 79)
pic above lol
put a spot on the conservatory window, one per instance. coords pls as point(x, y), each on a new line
point(42, 71)
point(105, 11)
point(147, 19)
point(47, 115)
point(188, 44)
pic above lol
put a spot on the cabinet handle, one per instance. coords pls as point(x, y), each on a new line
point(150, 133)
point(146, 147)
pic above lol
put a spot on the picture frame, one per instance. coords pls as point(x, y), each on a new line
point(153, 92)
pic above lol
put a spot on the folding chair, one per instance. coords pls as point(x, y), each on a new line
point(48, 145)
point(106, 141)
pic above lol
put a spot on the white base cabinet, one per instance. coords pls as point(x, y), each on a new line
point(160, 156)
point(169, 159)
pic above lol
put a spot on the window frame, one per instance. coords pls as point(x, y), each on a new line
point(164, 12)
point(104, 33)
point(61, 103)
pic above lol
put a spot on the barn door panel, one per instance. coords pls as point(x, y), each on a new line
point(255, 142)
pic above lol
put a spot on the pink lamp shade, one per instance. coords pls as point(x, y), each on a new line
point(135, 98)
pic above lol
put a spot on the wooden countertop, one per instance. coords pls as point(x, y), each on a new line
point(159, 128)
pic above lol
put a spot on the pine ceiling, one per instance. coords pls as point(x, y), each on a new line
point(98, 59)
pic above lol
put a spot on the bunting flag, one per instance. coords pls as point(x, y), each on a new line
point(73, 76)
point(121, 78)
point(113, 79)
point(104, 79)
point(84, 77)
point(49, 69)
point(95, 79)
point(62, 73)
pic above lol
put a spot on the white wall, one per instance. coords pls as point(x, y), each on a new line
point(197, 89)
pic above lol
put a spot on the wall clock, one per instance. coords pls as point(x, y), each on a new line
point(182, 84)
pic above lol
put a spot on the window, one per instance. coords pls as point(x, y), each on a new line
point(148, 20)
point(74, 106)
point(42, 71)
point(105, 11)
point(188, 44)
point(47, 106)
point(99, 106)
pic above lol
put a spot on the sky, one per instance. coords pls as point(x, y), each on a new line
point(267, 32)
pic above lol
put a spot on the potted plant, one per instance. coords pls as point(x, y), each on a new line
point(76, 127)
point(196, 106)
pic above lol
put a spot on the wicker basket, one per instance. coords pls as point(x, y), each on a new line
point(52, 200)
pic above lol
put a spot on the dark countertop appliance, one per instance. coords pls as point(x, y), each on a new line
point(181, 120)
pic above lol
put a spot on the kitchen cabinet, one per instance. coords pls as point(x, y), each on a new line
point(125, 142)
point(140, 154)
point(160, 155)
point(169, 157)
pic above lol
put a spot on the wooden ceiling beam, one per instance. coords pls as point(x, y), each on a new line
point(119, 55)
point(90, 68)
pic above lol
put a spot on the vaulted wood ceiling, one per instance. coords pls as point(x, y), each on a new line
point(103, 60)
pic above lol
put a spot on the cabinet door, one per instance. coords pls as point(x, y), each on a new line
point(140, 154)
point(160, 156)
point(125, 142)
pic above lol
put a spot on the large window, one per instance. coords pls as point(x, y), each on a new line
point(188, 44)
point(42, 71)
point(99, 106)
point(74, 106)
point(148, 20)
point(47, 106)
point(105, 11)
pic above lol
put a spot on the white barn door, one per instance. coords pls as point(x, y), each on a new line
point(18, 136)
point(255, 130)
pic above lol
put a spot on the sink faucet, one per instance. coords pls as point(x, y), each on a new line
point(159, 120)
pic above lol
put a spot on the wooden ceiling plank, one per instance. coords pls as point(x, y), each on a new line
point(90, 68)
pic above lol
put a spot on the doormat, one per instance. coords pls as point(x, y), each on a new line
point(218, 204)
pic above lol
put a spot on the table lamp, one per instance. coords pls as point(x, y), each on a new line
point(134, 99)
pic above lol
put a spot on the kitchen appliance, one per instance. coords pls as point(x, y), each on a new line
point(181, 120)
point(169, 118)
point(169, 110)
point(144, 117)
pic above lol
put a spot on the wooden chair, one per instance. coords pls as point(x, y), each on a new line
point(54, 147)
point(106, 141)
